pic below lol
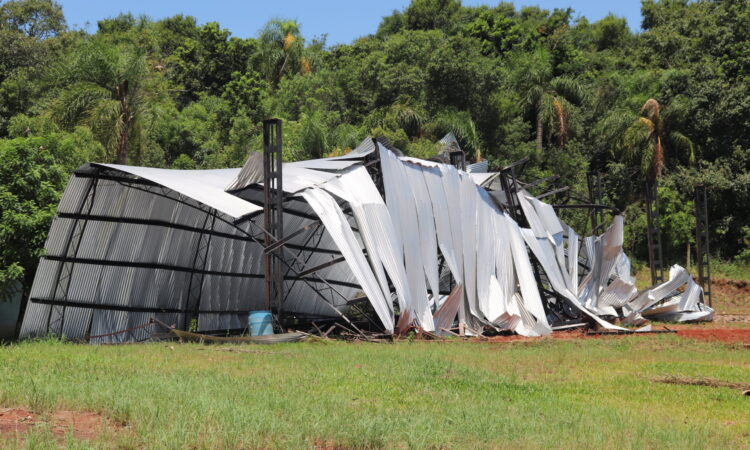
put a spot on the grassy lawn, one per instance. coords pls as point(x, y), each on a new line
point(594, 393)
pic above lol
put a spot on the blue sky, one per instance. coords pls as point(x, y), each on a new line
point(342, 20)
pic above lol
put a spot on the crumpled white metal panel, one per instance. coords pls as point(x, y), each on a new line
point(337, 225)
point(205, 186)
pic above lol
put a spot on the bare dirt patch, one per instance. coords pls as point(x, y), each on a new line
point(732, 318)
point(731, 296)
point(717, 334)
point(15, 423)
point(723, 331)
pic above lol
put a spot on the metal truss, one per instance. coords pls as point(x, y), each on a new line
point(273, 214)
point(56, 318)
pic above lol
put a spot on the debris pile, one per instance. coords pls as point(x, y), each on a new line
point(373, 240)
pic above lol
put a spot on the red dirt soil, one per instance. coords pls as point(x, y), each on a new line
point(717, 334)
point(16, 422)
point(711, 331)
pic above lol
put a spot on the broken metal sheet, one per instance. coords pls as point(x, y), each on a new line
point(505, 271)
point(678, 276)
point(443, 228)
point(338, 227)
point(544, 252)
point(324, 164)
point(403, 210)
point(478, 167)
point(691, 297)
point(419, 162)
point(205, 186)
point(468, 211)
point(251, 173)
point(452, 187)
point(617, 294)
point(484, 178)
point(529, 296)
point(573, 249)
point(377, 230)
point(706, 314)
point(446, 313)
point(426, 223)
point(487, 299)
point(684, 307)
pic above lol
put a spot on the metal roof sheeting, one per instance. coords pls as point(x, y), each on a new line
point(205, 186)
point(122, 250)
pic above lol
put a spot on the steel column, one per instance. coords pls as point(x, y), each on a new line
point(655, 256)
point(273, 214)
point(458, 159)
point(594, 182)
point(701, 242)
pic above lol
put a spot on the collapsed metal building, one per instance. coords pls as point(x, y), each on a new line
point(372, 238)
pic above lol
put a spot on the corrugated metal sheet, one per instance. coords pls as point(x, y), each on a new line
point(149, 250)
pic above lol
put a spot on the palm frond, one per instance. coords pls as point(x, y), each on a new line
point(677, 112)
point(70, 106)
point(569, 88)
point(637, 141)
point(682, 144)
point(461, 125)
point(611, 128)
point(410, 118)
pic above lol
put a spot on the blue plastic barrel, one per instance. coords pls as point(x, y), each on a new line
point(260, 322)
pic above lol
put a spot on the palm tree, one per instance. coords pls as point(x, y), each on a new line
point(282, 49)
point(649, 137)
point(103, 87)
point(547, 98)
point(461, 125)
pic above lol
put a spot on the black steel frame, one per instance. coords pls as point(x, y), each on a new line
point(653, 232)
point(703, 251)
point(278, 268)
point(458, 159)
point(56, 318)
point(191, 308)
point(273, 215)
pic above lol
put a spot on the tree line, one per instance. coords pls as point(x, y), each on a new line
point(671, 102)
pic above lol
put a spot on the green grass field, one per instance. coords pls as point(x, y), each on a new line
point(595, 393)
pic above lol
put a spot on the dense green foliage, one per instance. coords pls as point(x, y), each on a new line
point(575, 97)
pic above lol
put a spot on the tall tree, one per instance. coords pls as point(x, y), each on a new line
point(103, 87)
point(649, 137)
point(30, 39)
point(546, 97)
point(39, 19)
point(281, 50)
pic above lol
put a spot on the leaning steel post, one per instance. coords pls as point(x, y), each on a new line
point(273, 214)
point(703, 253)
point(655, 256)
